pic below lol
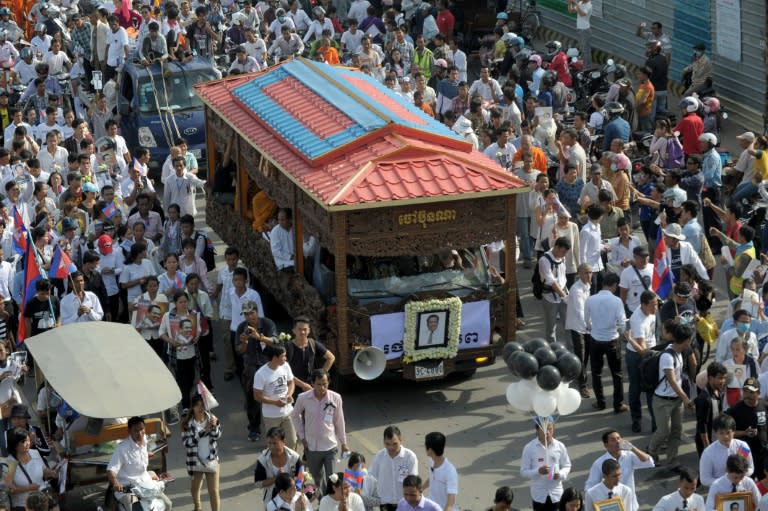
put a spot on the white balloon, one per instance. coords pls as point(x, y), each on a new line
point(545, 402)
point(569, 401)
point(518, 398)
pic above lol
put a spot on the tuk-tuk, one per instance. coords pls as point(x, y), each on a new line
point(103, 371)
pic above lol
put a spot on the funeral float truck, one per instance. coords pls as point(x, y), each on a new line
point(397, 213)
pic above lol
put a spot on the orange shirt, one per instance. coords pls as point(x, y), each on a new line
point(330, 55)
point(427, 109)
point(539, 158)
point(644, 98)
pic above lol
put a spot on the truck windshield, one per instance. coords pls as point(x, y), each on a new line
point(459, 272)
point(178, 88)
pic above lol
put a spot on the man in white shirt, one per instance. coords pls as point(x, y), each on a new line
point(239, 295)
point(502, 150)
point(391, 466)
point(359, 11)
point(273, 387)
point(57, 60)
point(52, 155)
point(621, 248)
point(641, 338)
point(443, 482)
point(574, 322)
point(669, 398)
point(591, 245)
point(629, 457)
point(80, 305)
point(488, 88)
point(741, 330)
point(352, 38)
point(610, 488)
point(180, 188)
point(129, 462)
point(635, 279)
point(734, 480)
point(713, 460)
point(583, 11)
point(552, 273)
point(546, 463)
point(605, 319)
point(117, 47)
point(685, 497)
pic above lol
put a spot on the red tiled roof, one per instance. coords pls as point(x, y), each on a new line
point(391, 163)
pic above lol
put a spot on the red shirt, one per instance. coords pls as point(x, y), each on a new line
point(445, 22)
point(559, 64)
point(691, 127)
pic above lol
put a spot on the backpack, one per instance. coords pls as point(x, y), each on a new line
point(537, 285)
point(649, 370)
point(209, 252)
point(290, 348)
point(675, 158)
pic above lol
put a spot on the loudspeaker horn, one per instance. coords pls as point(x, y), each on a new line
point(369, 363)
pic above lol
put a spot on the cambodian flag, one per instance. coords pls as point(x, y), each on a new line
point(110, 211)
point(662, 273)
point(179, 280)
point(743, 451)
point(31, 275)
point(354, 478)
point(300, 478)
point(61, 264)
point(19, 233)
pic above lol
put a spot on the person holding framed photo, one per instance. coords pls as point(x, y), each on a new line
point(685, 497)
point(735, 487)
point(601, 497)
point(712, 463)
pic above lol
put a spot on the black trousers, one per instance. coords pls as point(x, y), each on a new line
point(581, 348)
point(547, 505)
point(711, 219)
point(610, 351)
point(185, 379)
point(252, 407)
point(206, 347)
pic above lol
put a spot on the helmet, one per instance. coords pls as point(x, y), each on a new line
point(508, 38)
point(40, 27)
point(523, 54)
point(553, 46)
point(3, 34)
point(26, 53)
point(619, 71)
point(318, 11)
point(653, 47)
point(572, 53)
point(689, 104)
point(549, 78)
point(712, 105)
point(53, 11)
point(709, 138)
point(614, 108)
point(239, 18)
point(502, 16)
point(5, 11)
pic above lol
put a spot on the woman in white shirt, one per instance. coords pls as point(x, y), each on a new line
point(545, 217)
point(136, 270)
point(148, 323)
point(28, 473)
point(339, 495)
point(287, 498)
point(180, 328)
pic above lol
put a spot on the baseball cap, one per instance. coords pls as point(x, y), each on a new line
point(641, 251)
point(21, 411)
point(105, 244)
point(90, 187)
point(249, 306)
point(748, 136)
point(108, 225)
point(750, 384)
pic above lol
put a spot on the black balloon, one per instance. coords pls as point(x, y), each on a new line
point(510, 360)
point(557, 346)
point(559, 352)
point(548, 378)
point(545, 356)
point(569, 366)
point(509, 349)
point(525, 365)
point(534, 344)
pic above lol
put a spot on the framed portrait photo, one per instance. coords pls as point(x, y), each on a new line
point(432, 331)
point(614, 504)
point(736, 501)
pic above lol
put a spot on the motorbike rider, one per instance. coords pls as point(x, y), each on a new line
point(51, 84)
point(41, 43)
point(128, 465)
point(656, 34)
point(514, 45)
point(616, 126)
point(558, 62)
point(6, 23)
point(712, 117)
point(25, 68)
point(534, 64)
point(659, 66)
point(619, 73)
point(690, 126)
point(700, 71)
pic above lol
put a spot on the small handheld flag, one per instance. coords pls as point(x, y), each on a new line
point(354, 477)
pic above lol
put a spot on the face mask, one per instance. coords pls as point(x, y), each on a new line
point(613, 167)
point(697, 54)
point(281, 19)
point(742, 328)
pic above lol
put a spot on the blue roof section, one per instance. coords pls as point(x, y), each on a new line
point(359, 108)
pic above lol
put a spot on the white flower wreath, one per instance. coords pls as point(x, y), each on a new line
point(453, 329)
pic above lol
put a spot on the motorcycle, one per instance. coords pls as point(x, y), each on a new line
point(147, 494)
point(591, 81)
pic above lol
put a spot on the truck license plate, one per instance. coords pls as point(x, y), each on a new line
point(434, 371)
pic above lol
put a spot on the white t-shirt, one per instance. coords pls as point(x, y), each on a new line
point(443, 481)
point(274, 384)
point(634, 286)
point(116, 41)
point(582, 22)
point(136, 271)
point(644, 327)
point(674, 361)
